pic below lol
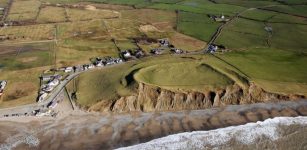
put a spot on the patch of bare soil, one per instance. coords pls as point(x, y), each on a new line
point(148, 28)
point(90, 7)
point(28, 59)
point(108, 6)
point(165, 26)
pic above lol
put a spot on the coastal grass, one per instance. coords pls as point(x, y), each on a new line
point(176, 73)
point(104, 84)
point(272, 68)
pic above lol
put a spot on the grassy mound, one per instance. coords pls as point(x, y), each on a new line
point(99, 85)
point(187, 76)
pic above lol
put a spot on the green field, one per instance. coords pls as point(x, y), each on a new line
point(104, 85)
point(26, 56)
point(199, 26)
point(272, 67)
point(78, 51)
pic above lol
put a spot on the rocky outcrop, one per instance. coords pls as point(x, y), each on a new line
point(150, 98)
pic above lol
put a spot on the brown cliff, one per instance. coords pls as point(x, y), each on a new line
point(150, 98)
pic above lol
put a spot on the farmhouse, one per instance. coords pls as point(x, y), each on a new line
point(42, 97)
point(177, 50)
point(68, 69)
point(164, 42)
point(139, 53)
point(88, 66)
point(99, 62)
point(47, 88)
point(111, 61)
point(53, 82)
point(127, 54)
point(156, 51)
point(221, 18)
point(212, 48)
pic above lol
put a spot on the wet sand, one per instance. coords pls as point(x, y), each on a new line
point(81, 130)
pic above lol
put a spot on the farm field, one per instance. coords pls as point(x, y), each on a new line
point(51, 14)
point(22, 10)
point(197, 25)
point(89, 14)
point(78, 51)
point(88, 29)
point(28, 33)
point(276, 70)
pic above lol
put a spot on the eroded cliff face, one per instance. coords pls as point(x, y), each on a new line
point(151, 98)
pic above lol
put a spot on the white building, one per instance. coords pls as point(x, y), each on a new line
point(68, 69)
point(48, 88)
point(42, 97)
point(54, 82)
point(2, 84)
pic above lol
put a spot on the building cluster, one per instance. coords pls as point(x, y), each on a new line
point(212, 48)
point(128, 54)
point(157, 51)
point(2, 87)
point(164, 43)
point(105, 61)
point(49, 84)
